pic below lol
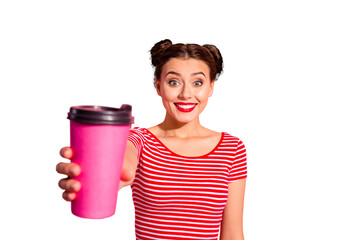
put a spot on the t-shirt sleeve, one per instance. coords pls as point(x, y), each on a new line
point(238, 169)
point(136, 136)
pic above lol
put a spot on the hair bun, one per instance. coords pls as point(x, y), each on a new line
point(157, 50)
point(215, 52)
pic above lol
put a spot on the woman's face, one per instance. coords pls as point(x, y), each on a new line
point(185, 87)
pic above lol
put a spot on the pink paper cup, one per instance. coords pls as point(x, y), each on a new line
point(98, 137)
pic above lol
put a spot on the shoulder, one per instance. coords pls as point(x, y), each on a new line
point(233, 140)
point(155, 130)
point(231, 137)
point(138, 130)
point(138, 133)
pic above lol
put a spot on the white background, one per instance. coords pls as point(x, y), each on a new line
point(289, 91)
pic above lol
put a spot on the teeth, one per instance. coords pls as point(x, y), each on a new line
point(185, 106)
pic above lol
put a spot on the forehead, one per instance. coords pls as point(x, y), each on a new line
point(186, 66)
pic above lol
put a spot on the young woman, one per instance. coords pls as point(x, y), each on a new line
point(187, 181)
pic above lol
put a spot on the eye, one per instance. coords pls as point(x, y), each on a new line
point(198, 83)
point(173, 83)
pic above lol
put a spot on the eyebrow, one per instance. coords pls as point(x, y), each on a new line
point(175, 73)
point(178, 74)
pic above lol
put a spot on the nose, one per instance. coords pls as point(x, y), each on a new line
point(186, 92)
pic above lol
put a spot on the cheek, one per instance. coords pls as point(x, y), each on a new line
point(203, 94)
point(169, 94)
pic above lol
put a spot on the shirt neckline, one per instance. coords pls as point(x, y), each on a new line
point(176, 154)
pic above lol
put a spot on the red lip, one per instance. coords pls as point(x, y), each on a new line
point(185, 104)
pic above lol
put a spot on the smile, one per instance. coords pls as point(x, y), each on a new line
point(185, 107)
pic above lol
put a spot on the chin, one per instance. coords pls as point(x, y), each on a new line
point(184, 119)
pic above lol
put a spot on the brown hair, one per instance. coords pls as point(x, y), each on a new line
point(164, 50)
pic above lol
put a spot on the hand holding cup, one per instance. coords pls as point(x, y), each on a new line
point(98, 137)
point(71, 186)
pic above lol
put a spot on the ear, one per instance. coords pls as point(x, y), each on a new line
point(211, 88)
point(157, 86)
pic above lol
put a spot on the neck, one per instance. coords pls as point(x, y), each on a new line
point(173, 128)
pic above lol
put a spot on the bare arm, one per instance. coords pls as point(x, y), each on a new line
point(129, 165)
point(232, 222)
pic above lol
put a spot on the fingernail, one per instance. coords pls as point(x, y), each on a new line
point(75, 186)
point(74, 171)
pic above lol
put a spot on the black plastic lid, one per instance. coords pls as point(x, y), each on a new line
point(93, 114)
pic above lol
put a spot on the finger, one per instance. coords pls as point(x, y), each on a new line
point(70, 169)
point(66, 152)
point(70, 185)
point(69, 196)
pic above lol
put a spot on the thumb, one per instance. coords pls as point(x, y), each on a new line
point(127, 174)
point(127, 177)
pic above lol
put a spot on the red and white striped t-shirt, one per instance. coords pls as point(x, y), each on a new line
point(178, 197)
